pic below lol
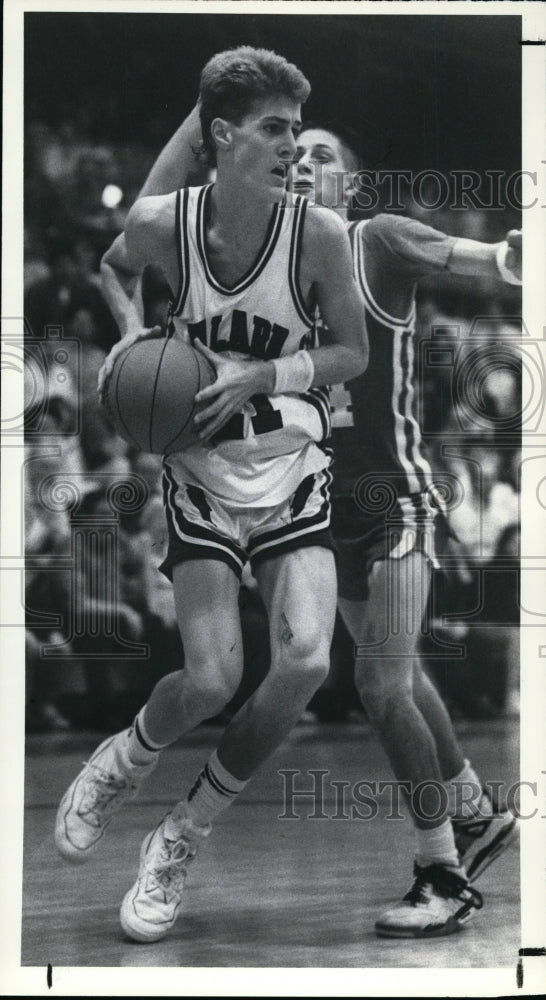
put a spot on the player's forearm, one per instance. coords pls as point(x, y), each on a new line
point(294, 373)
point(473, 258)
point(122, 288)
point(470, 257)
point(323, 366)
point(346, 355)
point(338, 363)
point(342, 310)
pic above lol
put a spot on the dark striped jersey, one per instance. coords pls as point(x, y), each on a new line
point(375, 432)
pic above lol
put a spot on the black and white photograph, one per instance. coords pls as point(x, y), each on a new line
point(273, 549)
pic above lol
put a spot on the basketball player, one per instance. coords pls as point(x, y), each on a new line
point(247, 267)
point(384, 566)
point(385, 569)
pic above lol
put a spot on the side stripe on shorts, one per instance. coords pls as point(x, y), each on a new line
point(299, 528)
point(194, 534)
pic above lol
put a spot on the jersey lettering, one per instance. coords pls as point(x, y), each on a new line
point(230, 333)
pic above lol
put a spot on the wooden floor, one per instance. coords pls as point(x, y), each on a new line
point(264, 892)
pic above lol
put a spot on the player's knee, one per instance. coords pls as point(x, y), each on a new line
point(211, 681)
point(302, 660)
point(316, 671)
point(381, 706)
point(382, 691)
point(210, 693)
point(214, 696)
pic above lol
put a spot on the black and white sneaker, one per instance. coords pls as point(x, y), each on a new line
point(439, 902)
point(480, 839)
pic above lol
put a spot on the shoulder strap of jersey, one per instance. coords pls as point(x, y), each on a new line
point(294, 262)
point(356, 232)
point(182, 250)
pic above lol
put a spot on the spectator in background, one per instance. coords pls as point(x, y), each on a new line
point(478, 602)
point(488, 504)
point(47, 543)
point(36, 267)
point(70, 285)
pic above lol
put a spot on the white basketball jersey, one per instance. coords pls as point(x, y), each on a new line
point(263, 453)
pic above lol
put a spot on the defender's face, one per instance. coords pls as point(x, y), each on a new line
point(320, 172)
point(264, 145)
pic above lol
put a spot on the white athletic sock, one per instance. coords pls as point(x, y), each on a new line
point(140, 747)
point(212, 792)
point(465, 795)
point(437, 846)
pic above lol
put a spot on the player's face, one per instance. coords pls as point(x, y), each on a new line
point(264, 145)
point(320, 172)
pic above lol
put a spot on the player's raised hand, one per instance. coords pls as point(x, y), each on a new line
point(146, 333)
point(236, 382)
point(513, 260)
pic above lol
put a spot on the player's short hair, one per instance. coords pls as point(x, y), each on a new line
point(232, 82)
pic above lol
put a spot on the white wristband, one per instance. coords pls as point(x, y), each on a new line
point(293, 373)
point(504, 271)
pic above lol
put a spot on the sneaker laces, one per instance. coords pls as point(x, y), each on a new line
point(445, 882)
point(102, 789)
point(169, 869)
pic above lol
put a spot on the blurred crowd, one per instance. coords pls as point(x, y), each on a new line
point(101, 625)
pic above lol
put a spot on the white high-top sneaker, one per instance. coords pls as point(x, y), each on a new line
point(107, 780)
point(151, 906)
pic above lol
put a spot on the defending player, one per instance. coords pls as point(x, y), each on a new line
point(247, 270)
point(384, 565)
point(385, 569)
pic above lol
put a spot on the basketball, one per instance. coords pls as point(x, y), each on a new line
point(151, 391)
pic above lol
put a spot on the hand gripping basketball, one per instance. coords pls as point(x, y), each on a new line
point(148, 333)
point(235, 383)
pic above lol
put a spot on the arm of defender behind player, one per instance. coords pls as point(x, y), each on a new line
point(178, 161)
point(121, 288)
point(326, 275)
point(489, 260)
point(398, 252)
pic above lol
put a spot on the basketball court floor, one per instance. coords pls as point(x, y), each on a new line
point(263, 891)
